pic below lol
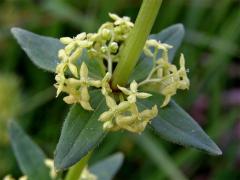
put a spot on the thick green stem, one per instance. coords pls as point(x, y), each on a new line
point(136, 41)
point(75, 171)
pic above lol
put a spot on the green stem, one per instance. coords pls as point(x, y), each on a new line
point(75, 171)
point(136, 41)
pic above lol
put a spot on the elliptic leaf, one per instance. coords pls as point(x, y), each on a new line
point(175, 125)
point(42, 50)
point(81, 132)
point(29, 156)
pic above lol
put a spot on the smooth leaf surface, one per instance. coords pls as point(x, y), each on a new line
point(175, 125)
point(107, 168)
point(172, 35)
point(42, 50)
point(29, 156)
point(81, 132)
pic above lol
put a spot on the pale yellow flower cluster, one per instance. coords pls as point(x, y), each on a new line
point(125, 115)
point(104, 46)
point(166, 75)
point(77, 89)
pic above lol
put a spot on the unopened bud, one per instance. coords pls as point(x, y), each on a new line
point(108, 125)
point(66, 40)
point(113, 47)
point(81, 36)
point(106, 116)
point(62, 54)
point(106, 34)
point(104, 49)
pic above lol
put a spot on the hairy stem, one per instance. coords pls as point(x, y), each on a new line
point(136, 41)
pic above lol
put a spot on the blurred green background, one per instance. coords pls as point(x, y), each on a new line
point(212, 50)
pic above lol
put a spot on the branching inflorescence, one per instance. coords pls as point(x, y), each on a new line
point(104, 47)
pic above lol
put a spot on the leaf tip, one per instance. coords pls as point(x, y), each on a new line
point(57, 165)
point(60, 164)
point(217, 151)
point(180, 28)
point(12, 125)
point(15, 31)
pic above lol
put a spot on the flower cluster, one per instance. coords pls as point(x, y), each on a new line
point(104, 47)
point(125, 115)
point(164, 74)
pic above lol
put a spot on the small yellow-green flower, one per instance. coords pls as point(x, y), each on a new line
point(105, 84)
point(78, 89)
point(121, 21)
point(104, 47)
point(133, 93)
point(50, 164)
point(66, 62)
point(87, 175)
point(137, 121)
point(172, 79)
point(157, 45)
point(108, 117)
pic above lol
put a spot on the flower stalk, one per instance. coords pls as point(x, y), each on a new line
point(136, 41)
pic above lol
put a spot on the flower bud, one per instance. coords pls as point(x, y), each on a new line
point(62, 54)
point(95, 83)
point(108, 126)
point(104, 49)
point(73, 69)
point(147, 52)
point(143, 95)
point(69, 48)
point(75, 55)
point(81, 36)
point(106, 116)
point(113, 47)
point(123, 106)
point(84, 43)
point(66, 40)
point(86, 105)
point(106, 34)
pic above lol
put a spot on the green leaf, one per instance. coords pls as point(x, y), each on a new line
point(29, 156)
point(175, 125)
point(107, 168)
point(42, 50)
point(172, 35)
point(81, 132)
